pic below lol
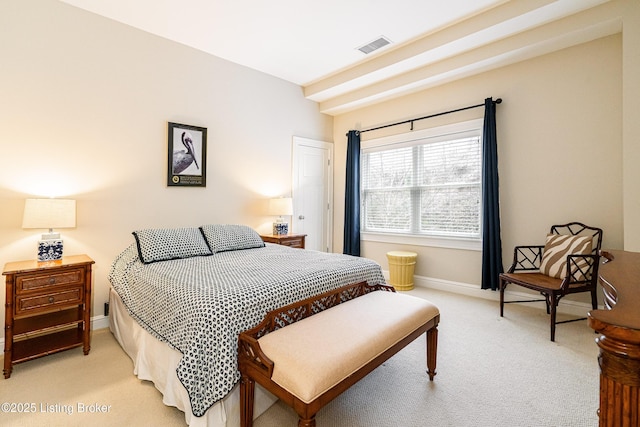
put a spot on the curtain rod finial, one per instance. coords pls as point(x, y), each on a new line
point(499, 101)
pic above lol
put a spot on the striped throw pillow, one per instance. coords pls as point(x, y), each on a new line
point(556, 249)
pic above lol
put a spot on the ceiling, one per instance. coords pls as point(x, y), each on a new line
point(315, 44)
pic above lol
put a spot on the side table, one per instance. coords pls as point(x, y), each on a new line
point(47, 308)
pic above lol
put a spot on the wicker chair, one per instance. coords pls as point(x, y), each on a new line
point(539, 268)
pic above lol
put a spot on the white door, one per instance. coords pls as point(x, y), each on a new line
point(313, 192)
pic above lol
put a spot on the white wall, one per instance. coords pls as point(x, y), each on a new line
point(84, 107)
point(559, 149)
point(631, 124)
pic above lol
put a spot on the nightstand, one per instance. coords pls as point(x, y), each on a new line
point(47, 309)
point(291, 240)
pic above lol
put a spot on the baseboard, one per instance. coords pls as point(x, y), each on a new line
point(569, 307)
point(99, 322)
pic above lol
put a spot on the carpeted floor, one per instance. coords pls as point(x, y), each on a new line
point(492, 371)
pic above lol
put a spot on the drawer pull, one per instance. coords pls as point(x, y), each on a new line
point(52, 281)
point(51, 299)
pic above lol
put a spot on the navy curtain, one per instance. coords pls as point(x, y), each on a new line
point(491, 243)
point(352, 196)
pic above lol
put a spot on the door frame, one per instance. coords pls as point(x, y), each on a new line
point(298, 142)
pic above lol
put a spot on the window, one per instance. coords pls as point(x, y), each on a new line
point(424, 183)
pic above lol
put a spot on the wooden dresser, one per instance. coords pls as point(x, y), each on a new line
point(47, 308)
point(619, 340)
point(292, 240)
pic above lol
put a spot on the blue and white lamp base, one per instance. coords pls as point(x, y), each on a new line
point(49, 250)
point(280, 228)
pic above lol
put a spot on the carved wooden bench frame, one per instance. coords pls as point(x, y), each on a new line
point(254, 365)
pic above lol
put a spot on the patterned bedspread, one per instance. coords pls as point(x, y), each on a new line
point(199, 305)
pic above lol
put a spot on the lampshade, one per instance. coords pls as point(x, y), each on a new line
point(49, 213)
point(281, 206)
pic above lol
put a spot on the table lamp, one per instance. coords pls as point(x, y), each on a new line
point(281, 206)
point(49, 213)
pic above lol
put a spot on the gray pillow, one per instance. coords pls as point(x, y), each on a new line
point(161, 244)
point(226, 237)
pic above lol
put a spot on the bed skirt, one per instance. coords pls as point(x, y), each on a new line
point(155, 361)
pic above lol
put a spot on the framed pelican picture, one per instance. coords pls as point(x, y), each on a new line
point(187, 159)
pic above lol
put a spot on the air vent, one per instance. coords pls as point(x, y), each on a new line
point(374, 45)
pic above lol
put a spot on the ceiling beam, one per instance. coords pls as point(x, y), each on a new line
point(571, 30)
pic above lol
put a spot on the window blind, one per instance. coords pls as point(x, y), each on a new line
point(429, 186)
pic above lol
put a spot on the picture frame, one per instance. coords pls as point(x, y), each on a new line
point(186, 155)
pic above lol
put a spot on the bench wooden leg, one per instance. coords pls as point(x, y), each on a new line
point(247, 390)
point(432, 350)
point(310, 422)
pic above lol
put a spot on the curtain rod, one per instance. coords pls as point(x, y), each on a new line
point(497, 101)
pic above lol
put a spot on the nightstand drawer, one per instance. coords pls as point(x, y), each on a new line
point(37, 303)
point(36, 282)
point(293, 242)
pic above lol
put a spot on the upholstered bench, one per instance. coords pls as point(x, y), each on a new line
point(309, 352)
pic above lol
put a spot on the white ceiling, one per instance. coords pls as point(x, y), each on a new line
point(315, 44)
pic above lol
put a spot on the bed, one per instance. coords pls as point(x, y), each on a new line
point(180, 297)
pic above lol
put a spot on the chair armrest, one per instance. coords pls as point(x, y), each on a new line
point(582, 269)
point(526, 258)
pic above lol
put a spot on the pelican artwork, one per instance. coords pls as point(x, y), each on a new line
point(182, 159)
